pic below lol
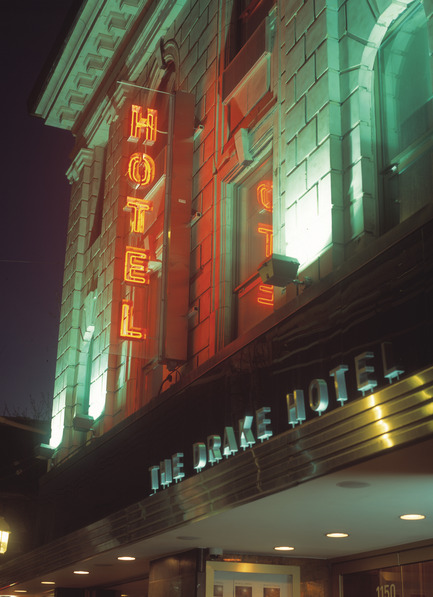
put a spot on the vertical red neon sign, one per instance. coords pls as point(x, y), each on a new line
point(141, 172)
point(265, 295)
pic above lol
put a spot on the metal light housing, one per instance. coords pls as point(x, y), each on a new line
point(44, 452)
point(83, 423)
point(278, 270)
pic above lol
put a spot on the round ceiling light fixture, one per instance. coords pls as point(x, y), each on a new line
point(412, 517)
point(126, 558)
point(337, 535)
point(283, 548)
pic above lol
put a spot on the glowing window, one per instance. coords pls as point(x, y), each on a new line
point(87, 355)
point(88, 373)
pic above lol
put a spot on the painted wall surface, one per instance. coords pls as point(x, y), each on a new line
point(297, 100)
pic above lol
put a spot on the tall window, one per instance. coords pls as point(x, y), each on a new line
point(245, 18)
point(254, 242)
point(405, 117)
point(85, 393)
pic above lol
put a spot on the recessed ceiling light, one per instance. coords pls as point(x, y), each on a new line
point(412, 516)
point(283, 548)
point(47, 582)
point(337, 535)
point(126, 558)
point(81, 572)
point(353, 484)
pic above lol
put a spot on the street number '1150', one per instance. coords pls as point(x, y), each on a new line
point(385, 591)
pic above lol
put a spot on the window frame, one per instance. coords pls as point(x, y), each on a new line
point(235, 174)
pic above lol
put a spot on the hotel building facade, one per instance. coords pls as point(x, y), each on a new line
point(245, 359)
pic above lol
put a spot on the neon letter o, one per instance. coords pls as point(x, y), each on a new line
point(264, 194)
point(141, 169)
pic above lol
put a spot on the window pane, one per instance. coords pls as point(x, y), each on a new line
point(254, 240)
point(418, 579)
point(406, 117)
point(410, 580)
point(244, 19)
point(255, 222)
point(373, 583)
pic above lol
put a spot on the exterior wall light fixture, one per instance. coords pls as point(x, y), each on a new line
point(5, 531)
point(279, 270)
point(44, 452)
point(215, 553)
point(83, 423)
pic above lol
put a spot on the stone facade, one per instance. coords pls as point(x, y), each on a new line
point(306, 104)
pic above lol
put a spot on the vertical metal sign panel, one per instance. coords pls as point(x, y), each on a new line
point(177, 232)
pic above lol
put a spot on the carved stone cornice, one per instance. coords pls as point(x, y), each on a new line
point(83, 158)
point(102, 40)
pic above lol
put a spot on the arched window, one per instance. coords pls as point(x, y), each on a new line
point(405, 117)
point(88, 374)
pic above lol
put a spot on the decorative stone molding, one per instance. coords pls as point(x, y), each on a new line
point(83, 158)
point(101, 27)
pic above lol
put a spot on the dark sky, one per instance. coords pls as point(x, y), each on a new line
point(33, 221)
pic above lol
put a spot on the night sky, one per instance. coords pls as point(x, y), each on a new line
point(35, 196)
